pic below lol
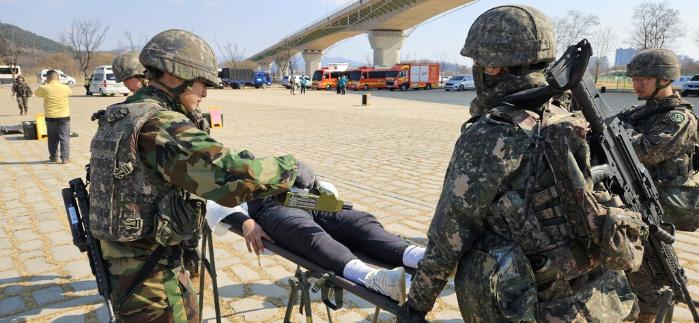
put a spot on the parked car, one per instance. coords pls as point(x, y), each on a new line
point(691, 86)
point(677, 84)
point(297, 79)
point(460, 83)
point(62, 77)
point(103, 82)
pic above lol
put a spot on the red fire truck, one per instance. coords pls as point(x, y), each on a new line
point(326, 78)
point(365, 78)
point(413, 76)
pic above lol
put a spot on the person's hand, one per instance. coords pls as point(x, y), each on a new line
point(306, 177)
point(253, 234)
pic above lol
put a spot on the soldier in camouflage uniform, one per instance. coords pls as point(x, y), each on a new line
point(664, 135)
point(22, 91)
point(149, 160)
point(128, 69)
point(517, 213)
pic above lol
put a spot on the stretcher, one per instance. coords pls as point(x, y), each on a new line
point(312, 277)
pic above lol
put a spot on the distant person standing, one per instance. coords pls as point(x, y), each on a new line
point(344, 84)
point(292, 85)
point(304, 83)
point(22, 91)
point(86, 84)
point(57, 113)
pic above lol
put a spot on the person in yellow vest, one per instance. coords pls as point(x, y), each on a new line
point(57, 113)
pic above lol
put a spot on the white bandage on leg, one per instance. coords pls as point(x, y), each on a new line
point(356, 271)
point(215, 213)
point(412, 255)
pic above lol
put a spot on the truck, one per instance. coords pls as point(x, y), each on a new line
point(238, 78)
point(365, 78)
point(413, 76)
point(326, 78)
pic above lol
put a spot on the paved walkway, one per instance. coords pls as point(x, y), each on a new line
point(388, 158)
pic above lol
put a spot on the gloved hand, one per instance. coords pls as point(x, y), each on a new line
point(408, 314)
point(306, 177)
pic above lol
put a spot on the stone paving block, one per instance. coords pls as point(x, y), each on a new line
point(51, 226)
point(60, 237)
point(245, 273)
point(37, 266)
point(66, 252)
point(267, 288)
point(33, 245)
point(11, 305)
point(278, 274)
point(70, 317)
point(351, 317)
point(209, 315)
point(6, 263)
point(9, 276)
point(25, 235)
point(447, 316)
point(48, 295)
point(229, 288)
point(78, 268)
point(13, 290)
point(254, 310)
point(24, 256)
point(83, 286)
point(5, 244)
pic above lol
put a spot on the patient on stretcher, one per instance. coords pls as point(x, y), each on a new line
point(327, 240)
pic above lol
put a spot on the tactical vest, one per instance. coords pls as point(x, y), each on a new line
point(547, 222)
point(125, 196)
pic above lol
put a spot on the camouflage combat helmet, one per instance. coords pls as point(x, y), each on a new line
point(659, 63)
point(126, 65)
point(182, 54)
point(511, 36)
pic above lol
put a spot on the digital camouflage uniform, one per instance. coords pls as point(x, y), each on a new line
point(149, 159)
point(563, 259)
point(22, 92)
point(664, 135)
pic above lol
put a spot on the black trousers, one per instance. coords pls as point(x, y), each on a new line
point(326, 238)
point(58, 131)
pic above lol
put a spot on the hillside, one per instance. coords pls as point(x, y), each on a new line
point(31, 41)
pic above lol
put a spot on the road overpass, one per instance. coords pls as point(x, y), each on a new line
point(384, 21)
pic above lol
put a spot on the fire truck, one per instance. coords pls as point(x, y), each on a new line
point(365, 78)
point(326, 78)
point(413, 76)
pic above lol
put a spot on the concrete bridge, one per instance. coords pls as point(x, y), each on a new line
point(385, 22)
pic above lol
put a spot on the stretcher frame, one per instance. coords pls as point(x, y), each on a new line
point(325, 281)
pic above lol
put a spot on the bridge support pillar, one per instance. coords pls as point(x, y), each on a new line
point(386, 45)
point(312, 58)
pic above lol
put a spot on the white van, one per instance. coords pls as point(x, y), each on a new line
point(103, 82)
point(62, 77)
point(6, 73)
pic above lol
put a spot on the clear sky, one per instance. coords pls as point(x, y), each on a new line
point(255, 25)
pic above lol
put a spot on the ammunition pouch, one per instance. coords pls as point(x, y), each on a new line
point(681, 203)
point(176, 219)
point(498, 272)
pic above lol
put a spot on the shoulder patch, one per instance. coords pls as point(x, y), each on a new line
point(677, 117)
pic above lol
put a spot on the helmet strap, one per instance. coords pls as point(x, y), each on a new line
point(658, 87)
point(176, 91)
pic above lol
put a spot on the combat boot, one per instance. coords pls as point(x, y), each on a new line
point(388, 282)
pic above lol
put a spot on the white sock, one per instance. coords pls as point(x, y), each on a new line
point(412, 255)
point(356, 271)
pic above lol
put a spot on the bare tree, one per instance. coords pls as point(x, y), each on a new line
point(135, 42)
point(84, 38)
point(442, 56)
point(232, 54)
point(10, 49)
point(656, 25)
point(602, 41)
point(573, 27)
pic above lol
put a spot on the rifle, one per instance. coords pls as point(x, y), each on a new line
point(83, 239)
point(625, 175)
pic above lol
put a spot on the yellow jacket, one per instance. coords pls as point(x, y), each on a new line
point(55, 97)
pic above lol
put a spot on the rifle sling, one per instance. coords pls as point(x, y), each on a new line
point(142, 275)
